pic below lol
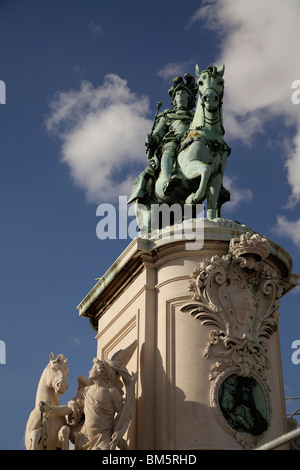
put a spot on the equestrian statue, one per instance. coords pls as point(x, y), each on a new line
point(186, 150)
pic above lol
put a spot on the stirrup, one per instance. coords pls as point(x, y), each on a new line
point(171, 184)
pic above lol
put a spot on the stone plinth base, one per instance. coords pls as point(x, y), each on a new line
point(208, 356)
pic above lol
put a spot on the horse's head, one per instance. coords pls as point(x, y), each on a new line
point(211, 86)
point(58, 373)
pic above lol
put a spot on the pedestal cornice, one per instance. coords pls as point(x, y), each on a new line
point(160, 248)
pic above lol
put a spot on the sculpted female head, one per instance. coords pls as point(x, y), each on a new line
point(101, 369)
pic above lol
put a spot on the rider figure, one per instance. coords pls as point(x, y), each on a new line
point(170, 127)
point(163, 143)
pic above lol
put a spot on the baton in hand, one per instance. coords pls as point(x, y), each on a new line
point(150, 151)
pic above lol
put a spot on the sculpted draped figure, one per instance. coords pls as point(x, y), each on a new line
point(186, 149)
point(98, 416)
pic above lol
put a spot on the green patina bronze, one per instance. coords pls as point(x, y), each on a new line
point(243, 404)
point(186, 150)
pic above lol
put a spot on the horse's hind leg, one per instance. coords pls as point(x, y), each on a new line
point(63, 437)
point(34, 439)
point(143, 217)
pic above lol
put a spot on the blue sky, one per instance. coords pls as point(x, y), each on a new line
point(82, 82)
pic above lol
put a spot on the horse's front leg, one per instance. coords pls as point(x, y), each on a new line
point(195, 163)
point(213, 193)
point(204, 173)
point(63, 437)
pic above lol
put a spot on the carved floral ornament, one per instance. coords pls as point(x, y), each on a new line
point(238, 295)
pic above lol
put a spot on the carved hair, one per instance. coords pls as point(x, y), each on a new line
point(104, 370)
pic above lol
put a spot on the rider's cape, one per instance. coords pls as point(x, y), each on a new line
point(143, 185)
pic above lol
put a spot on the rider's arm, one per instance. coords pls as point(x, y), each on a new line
point(161, 128)
point(159, 131)
point(60, 410)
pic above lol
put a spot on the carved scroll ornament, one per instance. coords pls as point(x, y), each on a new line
point(237, 295)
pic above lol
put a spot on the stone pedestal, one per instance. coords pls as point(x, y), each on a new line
point(208, 356)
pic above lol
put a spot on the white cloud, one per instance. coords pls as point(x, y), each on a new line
point(174, 69)
point(96, 28)
point(293, 167)
point(79, 69)
point(259, 44)
point(103, 132)
point(288, 229)
point(237, 195)
point(75, 341)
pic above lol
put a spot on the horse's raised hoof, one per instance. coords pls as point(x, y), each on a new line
point(170, 185)
point(190, 199)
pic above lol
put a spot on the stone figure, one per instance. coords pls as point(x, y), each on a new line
point(186, 150)
point(98, 414)
point(45, 431)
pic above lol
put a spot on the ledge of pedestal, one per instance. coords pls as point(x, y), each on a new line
point(183, 240)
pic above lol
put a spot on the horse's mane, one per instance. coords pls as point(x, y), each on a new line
point(59, 358)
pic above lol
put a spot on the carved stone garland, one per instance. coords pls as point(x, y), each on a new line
point(238, 295)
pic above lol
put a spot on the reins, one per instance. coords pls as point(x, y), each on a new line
point(44, 445)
